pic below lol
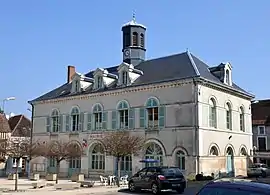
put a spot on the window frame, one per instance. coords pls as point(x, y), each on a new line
point(258, 129)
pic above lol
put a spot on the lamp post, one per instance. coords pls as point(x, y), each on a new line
point(5, 100)
point(31, 143)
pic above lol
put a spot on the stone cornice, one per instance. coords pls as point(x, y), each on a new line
point(225, 89)
point(117, 91)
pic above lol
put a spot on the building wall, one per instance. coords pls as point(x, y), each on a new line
point(220, 136)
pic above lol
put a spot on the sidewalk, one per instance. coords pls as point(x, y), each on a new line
point(25, 187)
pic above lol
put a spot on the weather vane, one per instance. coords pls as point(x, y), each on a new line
point(133, 16)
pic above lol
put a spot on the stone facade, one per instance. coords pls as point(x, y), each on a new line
point(175, 144)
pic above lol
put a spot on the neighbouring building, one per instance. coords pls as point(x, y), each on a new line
point(13, 128)
point(192, 116)
point(261, 130)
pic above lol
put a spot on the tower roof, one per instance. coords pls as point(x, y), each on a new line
point(133, 23)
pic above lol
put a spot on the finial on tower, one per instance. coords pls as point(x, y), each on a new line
point(133, 16)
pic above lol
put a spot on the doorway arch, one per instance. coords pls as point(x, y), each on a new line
point(230, 161)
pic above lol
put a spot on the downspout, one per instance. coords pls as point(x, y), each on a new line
point(197, 156)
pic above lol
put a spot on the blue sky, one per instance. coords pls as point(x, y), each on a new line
point(39, 39)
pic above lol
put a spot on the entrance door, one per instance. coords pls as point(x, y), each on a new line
point(230, 162)
point(74, 166)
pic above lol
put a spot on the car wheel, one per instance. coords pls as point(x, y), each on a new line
point(180, 190)
point(131, 187)
point(155, 189)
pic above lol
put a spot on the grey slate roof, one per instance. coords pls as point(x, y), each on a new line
point(168, 68)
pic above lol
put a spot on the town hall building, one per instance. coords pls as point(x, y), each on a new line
point(191, 115)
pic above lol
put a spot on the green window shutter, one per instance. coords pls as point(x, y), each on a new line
point(131, 117)
point(114, 119)
point(67, 123)
point(104, 120)
point(142, 118)
point(61, 123)
point(48, 124)
point(81, 122)
point(63, 129)
point(89, 121)
point(161, 116)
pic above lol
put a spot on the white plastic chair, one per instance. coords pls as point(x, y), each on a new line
point(124, 180)
point(103, 180)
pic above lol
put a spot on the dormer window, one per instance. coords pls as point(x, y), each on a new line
point(125, 77)
point(99, 82)
point(227, 77)
point(77, 86)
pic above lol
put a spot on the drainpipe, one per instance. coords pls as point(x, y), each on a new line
point(196, 94)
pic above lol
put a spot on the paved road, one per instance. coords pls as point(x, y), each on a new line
point(188, 191)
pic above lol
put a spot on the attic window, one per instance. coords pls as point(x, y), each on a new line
point(77, 86)
point(227, 77)
point(124, 77)
point(99, 82)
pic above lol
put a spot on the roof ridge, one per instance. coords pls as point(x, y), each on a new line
point(193, 63)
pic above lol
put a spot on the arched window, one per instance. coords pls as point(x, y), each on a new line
point(243, 152)
point(142, 40)
point(227, 77)
point(124, 77)
point(123, 114)
point(181, 160)
point(152, 112)
point(98, 157)
point(55, 121)
point(213, 151)
point(242, 119)
point(228, 116)
point(154, 151)
point(212, 113)
point(97, 112)
point(135, 39)
point(75, 115)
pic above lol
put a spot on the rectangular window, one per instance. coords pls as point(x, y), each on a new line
point(126, 163)
point(123, 118)
point(261, 130)
point(75, 122)
point(98, 120)
point(212, 117)
point(228, 119)
point(242, 122)
point(125, 78)
point(261, 143)
point(55, 124)
point(99, 82)
point(152, 117)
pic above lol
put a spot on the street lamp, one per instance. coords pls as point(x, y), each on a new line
point(5, 100)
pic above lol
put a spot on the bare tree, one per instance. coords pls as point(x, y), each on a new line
point(121, 144)
point(60, 150)
point(17, 148)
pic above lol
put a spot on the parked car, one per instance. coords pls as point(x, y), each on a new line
point(158, 179)
point(235, 187)
point(258, 169)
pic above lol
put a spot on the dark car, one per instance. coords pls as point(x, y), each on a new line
point(158, 179)
point(235, 187)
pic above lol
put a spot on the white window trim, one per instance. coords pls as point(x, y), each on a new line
point(261, 136)
point(258, 128)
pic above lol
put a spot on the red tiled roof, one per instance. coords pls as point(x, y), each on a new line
point(4, 126)
point(260, 112)
point(20, 126)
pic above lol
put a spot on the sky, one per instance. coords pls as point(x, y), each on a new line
point(39, 39)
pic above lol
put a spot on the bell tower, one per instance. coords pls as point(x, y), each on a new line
point(133, 42)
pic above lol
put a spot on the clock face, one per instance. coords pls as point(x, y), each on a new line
point(126, 52)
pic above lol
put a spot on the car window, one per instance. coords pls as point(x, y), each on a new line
point(171, 171)
point(264, 166)
point(226, 191)
point(142, 172)
point(151, 171)
point(255, 166)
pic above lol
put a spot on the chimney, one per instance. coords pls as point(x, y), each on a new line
point(70, 73)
